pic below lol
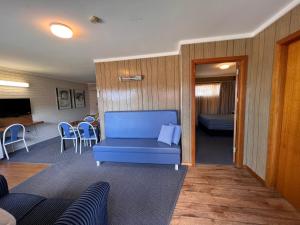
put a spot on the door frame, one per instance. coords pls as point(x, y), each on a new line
point(276, 107)
point(240, 109)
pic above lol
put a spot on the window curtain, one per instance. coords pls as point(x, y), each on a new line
point(207, 98)
point(215, 98)
point(227, 97)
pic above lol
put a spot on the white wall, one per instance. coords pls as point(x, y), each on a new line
point(42, 94)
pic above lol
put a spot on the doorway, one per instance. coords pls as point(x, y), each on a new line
point(284, 153)
point(237, 134)
point(215, 112)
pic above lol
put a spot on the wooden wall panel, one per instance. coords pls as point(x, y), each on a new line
point(168, 84)
point(260, 51)
point(199, 51)
point(160, 88)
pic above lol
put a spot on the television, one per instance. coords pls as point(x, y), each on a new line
point(15, 107)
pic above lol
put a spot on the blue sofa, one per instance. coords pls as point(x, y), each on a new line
point(28, 209)
point(131, 136)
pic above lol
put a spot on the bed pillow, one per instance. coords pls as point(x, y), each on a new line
point(166, 134)
point(176, 134)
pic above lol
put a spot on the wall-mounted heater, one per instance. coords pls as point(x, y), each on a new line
point(131, 78)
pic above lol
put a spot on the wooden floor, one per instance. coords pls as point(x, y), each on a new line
point(226, 195)
point(16, 173)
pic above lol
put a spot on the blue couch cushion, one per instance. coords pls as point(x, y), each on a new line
point(135, 146)
point(19, 204)
point(46, 213)
point(176, 134)
point(137, 124)
point(166, 134)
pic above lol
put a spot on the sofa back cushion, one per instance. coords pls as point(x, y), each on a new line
point(89, 209)
point(137, 124)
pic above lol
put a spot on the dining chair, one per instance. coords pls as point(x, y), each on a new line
point(67, 132)
point(89, 119)
point(11, 136)
point(86, 133)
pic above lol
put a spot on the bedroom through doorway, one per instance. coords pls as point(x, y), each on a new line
point(215, 109)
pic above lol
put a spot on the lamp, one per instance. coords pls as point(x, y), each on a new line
point(131, 78)
point(13, 83)
point(61, 30)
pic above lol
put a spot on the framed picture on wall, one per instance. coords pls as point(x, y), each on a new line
point(79, 98)
point(64, 98)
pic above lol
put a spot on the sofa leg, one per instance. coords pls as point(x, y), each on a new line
point(98, 163)
point(176, 167)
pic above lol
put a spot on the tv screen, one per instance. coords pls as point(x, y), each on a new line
point(15, 107)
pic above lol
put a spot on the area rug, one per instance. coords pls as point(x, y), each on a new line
point(140, 193)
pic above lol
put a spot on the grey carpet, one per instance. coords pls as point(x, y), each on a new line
point(140, 193)
point(214, 149)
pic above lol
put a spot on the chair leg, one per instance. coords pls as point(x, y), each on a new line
point(61, 145)
point(74, 142)
point(25, 145)
point(76, 146)
point(80, 147)
point(5, 151)
point(90, 142)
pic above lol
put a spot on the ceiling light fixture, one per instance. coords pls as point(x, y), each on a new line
point(224, 66)
point(13, 83)
point(61, 30)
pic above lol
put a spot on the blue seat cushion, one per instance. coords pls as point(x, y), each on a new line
point(19, 204)
point(135, 146)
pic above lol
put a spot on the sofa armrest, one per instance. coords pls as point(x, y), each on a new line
point(90, 208)
point(3, 186)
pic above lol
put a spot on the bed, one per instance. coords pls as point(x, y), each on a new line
point(217, 122)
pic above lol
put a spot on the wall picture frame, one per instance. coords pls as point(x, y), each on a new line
point(64, 98)
point(79, 98)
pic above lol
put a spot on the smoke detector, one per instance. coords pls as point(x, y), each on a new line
point(95, 19)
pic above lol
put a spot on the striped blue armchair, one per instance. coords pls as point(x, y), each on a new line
point(89, 209)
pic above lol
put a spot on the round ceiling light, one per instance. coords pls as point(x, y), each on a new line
point(61, 30)
point(224, 66)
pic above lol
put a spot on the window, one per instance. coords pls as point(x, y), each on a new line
point(208, 90)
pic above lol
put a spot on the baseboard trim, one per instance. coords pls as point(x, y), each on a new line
point(186, 164)
point(255, 175)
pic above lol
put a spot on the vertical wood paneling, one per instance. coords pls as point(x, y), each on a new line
point(295, 19)
point(144, 84)
point(239, 47)
point(185, 103)
point(160, 88)
point(154, 70)
point(209, 49)
point(229, 51)
point(177, 90)
point(260, 51)
point(168, 84)
point(221, 48)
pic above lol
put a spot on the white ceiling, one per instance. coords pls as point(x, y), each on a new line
point(213, 70)
point(131, 27)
